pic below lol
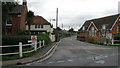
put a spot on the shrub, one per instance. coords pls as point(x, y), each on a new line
point(14, 40)
point(44, 37)
point(93, 40)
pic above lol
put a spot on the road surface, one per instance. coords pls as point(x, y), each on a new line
point(71, 52)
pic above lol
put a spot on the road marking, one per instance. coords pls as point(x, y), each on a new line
point(38, 61)
point(60, 61)
point(29, 64)
point(69, 60)
point(50, 62)
point(100, 62)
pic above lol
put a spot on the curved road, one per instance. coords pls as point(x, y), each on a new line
point(71, 52)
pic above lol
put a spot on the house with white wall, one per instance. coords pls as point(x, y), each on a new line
point(41, 25)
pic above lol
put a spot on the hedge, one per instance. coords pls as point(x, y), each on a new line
point(14, 40)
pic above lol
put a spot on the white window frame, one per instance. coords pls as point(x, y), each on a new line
point(83, 28)
point(93, 31)
point(8, 24)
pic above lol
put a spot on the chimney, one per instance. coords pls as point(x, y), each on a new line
point(24, 2)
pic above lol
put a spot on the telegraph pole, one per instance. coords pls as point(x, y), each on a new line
point(56, 25)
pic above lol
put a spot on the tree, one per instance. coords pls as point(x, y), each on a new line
point(29, 18)
point(6, 8)
point(59, 29)
point(71, 30)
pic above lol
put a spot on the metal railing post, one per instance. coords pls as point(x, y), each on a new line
point(20, 49)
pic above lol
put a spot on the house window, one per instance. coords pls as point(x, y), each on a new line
point(41, 26)
point(38, 26)
point(9, 22)
point(103, 27)
point(83, 28)
point(35, 26)
point(118, 28)
point(93, 31)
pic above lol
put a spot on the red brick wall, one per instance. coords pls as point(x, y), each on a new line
point(85, 34)
point(23, 17)
point(15, 25)
point(114, 30)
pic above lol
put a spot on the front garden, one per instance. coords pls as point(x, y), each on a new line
point(14, 40)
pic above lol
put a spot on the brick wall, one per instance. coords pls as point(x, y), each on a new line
point(15, 24)
point(23, 17)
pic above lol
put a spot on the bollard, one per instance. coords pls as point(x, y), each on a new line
point(20, 49)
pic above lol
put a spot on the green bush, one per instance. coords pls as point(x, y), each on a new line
point(93, 40)
point(14, 40)
point(44, 37)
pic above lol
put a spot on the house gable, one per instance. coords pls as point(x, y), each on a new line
point(117, 20)
point(92, 24)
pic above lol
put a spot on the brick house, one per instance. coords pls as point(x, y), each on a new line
point(105, 27)
point(16, 22)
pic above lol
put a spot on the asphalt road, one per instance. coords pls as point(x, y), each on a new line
point(71, 52)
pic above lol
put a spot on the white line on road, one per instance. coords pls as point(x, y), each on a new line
point(69, 60)
point(29, 64)
point(100, 62)
point(50, 62)
point(60, 61)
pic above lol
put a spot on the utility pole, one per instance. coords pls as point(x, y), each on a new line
point(62, 26)
point(56, 38)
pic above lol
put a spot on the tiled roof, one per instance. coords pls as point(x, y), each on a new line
point(39, 20)
point(17, 10)
point(108, 21)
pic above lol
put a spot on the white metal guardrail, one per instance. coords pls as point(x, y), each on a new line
point(34, 44)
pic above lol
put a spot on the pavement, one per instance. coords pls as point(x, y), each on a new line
point(40, 55)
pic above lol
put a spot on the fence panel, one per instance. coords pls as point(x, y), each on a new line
point(21, 48)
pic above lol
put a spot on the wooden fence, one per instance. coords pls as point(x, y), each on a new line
point(34, 44)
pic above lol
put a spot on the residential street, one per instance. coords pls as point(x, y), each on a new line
point(71, 52)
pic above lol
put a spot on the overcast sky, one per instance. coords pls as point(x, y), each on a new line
point(73, 13)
